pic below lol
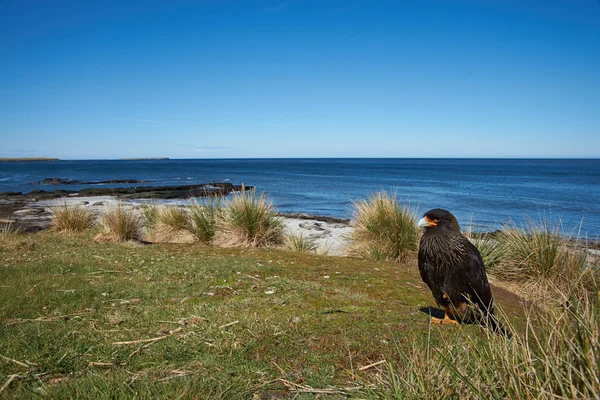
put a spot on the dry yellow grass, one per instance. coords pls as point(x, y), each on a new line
point(7, 229)
point(544, 261)
point(555, 356)
point(383, 229)
point(249, 220)
point(299, 244)
point(163, 233)
point(70, 219)
point(118, 223)
point(170, 224)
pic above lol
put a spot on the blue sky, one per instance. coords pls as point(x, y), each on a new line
point(228, 79)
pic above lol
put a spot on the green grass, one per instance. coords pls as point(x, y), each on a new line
point(174, 217)
point(235, 322)
point(491, 252)
point(204, 218)
point(149, 215)
point(86, 319)
point(383, 228)
point(557, 355)
point(299, 244)
point(489, 247)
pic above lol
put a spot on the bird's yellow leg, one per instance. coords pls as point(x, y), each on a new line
point(446, 320)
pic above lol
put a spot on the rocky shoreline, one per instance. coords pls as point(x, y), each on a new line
point(131, 192)
point(61, 181)
point(29, 215)
point(30, 212)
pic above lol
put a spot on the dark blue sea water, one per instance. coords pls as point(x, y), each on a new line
point(485, 192)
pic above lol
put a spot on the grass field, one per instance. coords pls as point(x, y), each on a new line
point(121, 320)
point(83, 319)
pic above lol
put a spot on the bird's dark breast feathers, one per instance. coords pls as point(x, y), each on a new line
point(442, 264)
point(447, 253)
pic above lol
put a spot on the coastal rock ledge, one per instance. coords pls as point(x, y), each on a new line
point(30, 212)
point(132, 192)
point(61, 181)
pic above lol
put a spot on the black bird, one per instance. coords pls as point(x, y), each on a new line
point(453, 269)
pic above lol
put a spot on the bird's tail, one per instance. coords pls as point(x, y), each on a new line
point(493, 323)
point(490, 319)
point(496, 326)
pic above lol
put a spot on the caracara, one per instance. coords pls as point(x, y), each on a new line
point(453, 269)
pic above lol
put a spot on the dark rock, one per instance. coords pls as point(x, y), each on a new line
point(311, 226)
point(55, 181)
point(38, 192)
point(29, 211)
point(34, 219)
point(32, 228)
point(316, 218)
point(146, 192)
point(61, 181)
point(115, 181)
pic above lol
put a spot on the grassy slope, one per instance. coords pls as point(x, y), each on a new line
point(289, 323)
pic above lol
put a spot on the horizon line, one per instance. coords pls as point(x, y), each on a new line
point(54, 159)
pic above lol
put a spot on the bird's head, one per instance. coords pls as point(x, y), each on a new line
point(439, 220)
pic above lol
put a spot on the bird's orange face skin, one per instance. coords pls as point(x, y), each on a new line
point(431, 222)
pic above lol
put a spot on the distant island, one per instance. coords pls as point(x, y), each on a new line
point(36, 159)
point(144, 159)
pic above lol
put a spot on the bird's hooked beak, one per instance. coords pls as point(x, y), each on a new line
point(427, 223)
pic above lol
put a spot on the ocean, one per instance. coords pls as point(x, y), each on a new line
point(484, 193)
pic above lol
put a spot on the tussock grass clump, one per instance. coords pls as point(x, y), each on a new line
point(8, 229)
point(119, 224)
point(149, 215)
point(539, 253)
point(299, 244)
point(491, 252)
point(204, 218)
point(71, 218)
point(557, 356)
point(489, 248)
point(172, 225)
point(383, 229)
point(167, 234)
point(174, 217)
point(249, 220)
